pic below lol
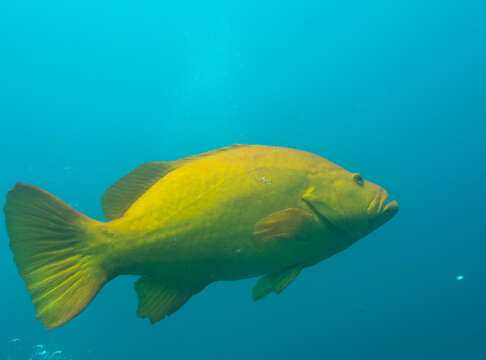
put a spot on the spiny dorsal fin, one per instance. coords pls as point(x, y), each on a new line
point(275, 282)
point(122, 194)
point(119, 196)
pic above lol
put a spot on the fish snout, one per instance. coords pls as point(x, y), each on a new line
point(382, 207)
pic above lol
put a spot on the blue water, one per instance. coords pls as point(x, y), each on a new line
point(393, 90)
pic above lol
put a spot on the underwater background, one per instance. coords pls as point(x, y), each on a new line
point(395, 90)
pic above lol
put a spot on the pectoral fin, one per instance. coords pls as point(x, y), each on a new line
point(156, 300)
point(275, 282)
point(284, 224)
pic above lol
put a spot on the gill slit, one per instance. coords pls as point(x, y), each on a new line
point(327, 222)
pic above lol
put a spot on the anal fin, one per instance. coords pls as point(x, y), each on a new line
point(157, 300)
point(275, 282)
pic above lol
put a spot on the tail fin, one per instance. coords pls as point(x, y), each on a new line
point(52, 247)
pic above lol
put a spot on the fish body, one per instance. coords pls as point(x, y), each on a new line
point(202, 222)
point(229, 214)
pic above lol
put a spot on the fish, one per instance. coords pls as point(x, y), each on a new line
point(233, 213)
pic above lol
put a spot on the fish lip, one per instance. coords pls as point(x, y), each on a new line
point(391, 207)
point(383, 198)
point(376, 204)
point(381, 207)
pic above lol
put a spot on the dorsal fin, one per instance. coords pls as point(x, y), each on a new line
point(119, 196)
point(212, 152)
point(122, 194)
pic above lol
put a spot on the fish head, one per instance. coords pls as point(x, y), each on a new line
point(349, 202)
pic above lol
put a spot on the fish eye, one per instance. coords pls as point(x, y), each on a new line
point(358, 179)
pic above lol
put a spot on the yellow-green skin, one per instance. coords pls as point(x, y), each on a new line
point(228, 214)
point(196, 225)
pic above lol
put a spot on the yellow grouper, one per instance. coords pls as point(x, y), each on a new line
point(228, 214)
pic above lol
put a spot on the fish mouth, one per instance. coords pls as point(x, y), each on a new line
point(382, 207)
